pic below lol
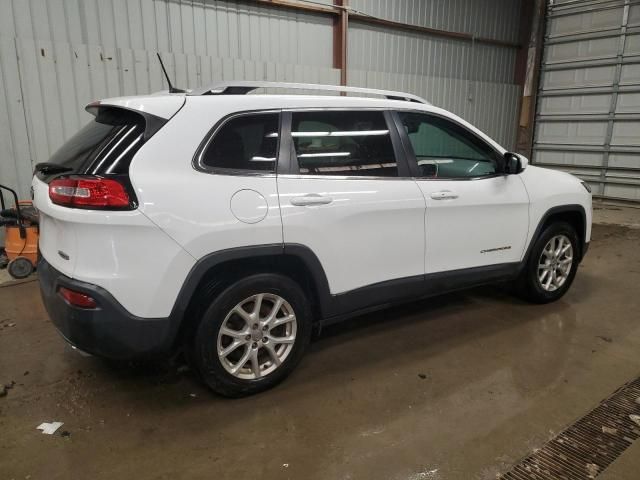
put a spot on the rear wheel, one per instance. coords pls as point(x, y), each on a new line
point(252, 335)
point(552, 264)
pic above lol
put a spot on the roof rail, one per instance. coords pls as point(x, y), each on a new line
point(244, 87)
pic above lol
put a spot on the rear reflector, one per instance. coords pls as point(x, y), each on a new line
point(88, 192)
point(77, 299)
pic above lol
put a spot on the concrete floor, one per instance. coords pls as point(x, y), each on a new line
point(501, 378)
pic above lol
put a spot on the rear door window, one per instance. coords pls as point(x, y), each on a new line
point(347, 143)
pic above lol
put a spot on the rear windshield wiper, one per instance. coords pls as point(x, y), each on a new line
point(46, 168)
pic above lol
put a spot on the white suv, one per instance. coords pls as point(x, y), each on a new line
point(230, 225)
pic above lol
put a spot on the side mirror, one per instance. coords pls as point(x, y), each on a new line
point(514, 163)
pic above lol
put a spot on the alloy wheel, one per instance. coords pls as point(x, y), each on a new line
point(257, 336)
point(554, 265)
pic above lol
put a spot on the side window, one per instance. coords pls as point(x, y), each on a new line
point(445, 149)
point(247, 142)
point(350, 143)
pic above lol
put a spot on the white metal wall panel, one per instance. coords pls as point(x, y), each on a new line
point(215, 28)
point(15, 160)
point(588, 112)
point(81, 73)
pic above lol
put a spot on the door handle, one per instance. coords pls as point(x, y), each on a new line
point(310, 200)
point(444, 195)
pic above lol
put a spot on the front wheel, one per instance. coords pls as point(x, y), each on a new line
point(552, 264)
point(252, 335)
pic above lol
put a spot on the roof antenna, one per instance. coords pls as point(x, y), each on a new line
point(172, 89)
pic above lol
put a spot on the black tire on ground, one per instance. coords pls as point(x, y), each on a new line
point(204, 347)
point(529, 286)
point(20, 267)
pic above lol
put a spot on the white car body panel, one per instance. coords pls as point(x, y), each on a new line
point(191, 206)
point(373, 230)
point(551, 188)
point(163, 106)
point(122, 252)
point(485, 224)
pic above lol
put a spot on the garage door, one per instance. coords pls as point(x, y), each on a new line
point(588, 111)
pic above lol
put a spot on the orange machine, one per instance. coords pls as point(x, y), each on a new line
point(21, 235)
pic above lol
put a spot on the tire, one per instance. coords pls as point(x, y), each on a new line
point(20, 267)
point(536, 286)
point(240, 359)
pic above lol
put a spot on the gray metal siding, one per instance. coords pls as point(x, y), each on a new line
point(58, 55)
point(497, 19)
point(213, 28)
point(492, 107)
point(377, 49)
point(470, 79)
point(588, 118)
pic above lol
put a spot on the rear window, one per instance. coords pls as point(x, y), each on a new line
point(105, 145)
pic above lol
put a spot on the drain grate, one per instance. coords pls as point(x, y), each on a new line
point(590, 445)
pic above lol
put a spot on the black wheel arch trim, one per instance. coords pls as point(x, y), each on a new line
point(208, 262)
point(570, 208)
point(333, 307)
point(338, 306)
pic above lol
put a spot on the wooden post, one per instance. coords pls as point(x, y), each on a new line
point(340, 31)
point(527, 74)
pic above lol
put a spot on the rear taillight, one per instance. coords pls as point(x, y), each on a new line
point(77, 299)
point(88, 192)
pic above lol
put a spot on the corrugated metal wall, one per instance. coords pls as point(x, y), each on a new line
point(472, 80)
point(588, 119)
point(58, 55)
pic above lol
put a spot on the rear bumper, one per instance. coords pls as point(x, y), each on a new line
point(108, 331)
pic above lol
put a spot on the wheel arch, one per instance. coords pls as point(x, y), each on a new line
point(214, 272)
point(574, 214)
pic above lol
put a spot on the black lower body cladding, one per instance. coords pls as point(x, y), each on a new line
point(109, 330)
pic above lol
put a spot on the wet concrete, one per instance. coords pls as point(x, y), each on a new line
point(608, 213)
point(456, 387)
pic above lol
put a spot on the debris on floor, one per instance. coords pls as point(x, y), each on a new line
point(610, 431)
point(49, 428)
point(605, 339)
point(592, 470)
point(425, 475)
point(423, 376)
point(4, 389)
point(635, 419)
